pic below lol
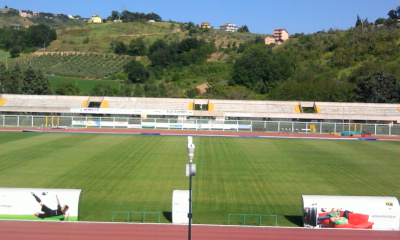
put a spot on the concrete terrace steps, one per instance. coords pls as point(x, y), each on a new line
point(150, 104)
point(214, 108)
point(227, 107)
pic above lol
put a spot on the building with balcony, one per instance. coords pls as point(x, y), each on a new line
point(95, 19)
point(205, 25)
point(280, 35)
point(229, 27)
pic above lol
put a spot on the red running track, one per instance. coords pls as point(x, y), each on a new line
point(200, 133)
point(43, 230)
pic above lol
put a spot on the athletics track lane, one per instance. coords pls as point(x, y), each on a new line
point(44, 230)
point(178, 132)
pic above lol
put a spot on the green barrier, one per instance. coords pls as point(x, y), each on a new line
point(129, 216)
point(246, 219)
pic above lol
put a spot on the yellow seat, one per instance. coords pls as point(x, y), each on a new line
point(312, 128)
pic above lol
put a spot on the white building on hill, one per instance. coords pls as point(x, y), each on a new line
point(229, 27)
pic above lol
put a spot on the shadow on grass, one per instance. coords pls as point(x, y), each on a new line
point(168, 216)
point(298, 220)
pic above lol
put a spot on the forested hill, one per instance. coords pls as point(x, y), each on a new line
point(167, 59)
point(359, 64)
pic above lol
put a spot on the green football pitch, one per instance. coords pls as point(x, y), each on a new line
point(234, 175)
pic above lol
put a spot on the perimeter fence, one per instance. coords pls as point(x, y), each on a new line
point(284, 127)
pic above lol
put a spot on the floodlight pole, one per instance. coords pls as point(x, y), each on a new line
point(190, 205)
point(190, 172)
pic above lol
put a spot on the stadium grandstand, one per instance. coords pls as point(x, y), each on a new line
point(53, 105)
point(54, 111)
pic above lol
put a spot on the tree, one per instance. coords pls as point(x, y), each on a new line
point(35, 83)
point(40, 35)
point(86, 40)
point(153, 16)
point(4, 76)
point(243, 28)
point(394, 16)
point(150, 89)
point(114, 16)
point(188, 26)
point(15, 81)
point(377, 88)
point(138, 92)
point(174, 91)
point(119, 47)
point(137, 73)
point(259, 69)
point(162, 90)
point(192, 50)
point(215, 89)
point(394, 13)
point(359, 21)
point(14, 52)
point(193, 92)
point(159, 53)
point(101, 89)
point(137, 47)
point(239, 93)
point(188, 44)
point(67, 89)
point(380, 21)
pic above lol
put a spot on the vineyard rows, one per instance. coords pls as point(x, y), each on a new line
point(88, 65)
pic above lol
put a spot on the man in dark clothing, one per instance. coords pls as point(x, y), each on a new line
point(60, 212)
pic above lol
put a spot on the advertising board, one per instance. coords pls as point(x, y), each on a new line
point(180, 206)
point(27, 204)
point(364, 212)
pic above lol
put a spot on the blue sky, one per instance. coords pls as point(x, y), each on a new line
point(260, 16)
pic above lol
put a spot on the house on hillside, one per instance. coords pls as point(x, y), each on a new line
point(280, 35)
point(269, 40)
point(95, 19)
point(229, 27)
point(25, 14)
point(5, 10)
point(205, 25)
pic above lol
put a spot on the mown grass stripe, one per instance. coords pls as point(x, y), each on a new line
point(234, 175)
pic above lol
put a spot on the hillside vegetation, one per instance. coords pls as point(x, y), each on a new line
point(98, 37)
point(168, 59)
point(14, 20)
point(332, 65)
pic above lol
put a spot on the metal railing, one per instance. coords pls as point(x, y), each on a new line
point(196, 124)
point(252, 219)
point(130, 216)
